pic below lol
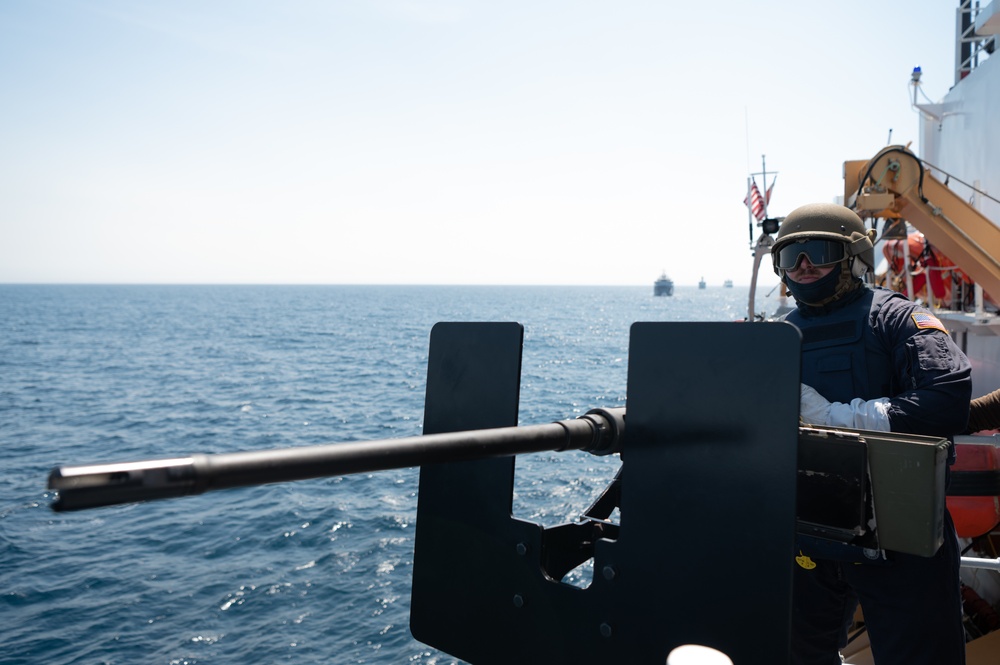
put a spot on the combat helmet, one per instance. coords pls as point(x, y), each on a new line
point(843, 230)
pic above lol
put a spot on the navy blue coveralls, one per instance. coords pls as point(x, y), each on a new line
point(875, 343)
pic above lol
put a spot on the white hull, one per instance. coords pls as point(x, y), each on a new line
point(960, 138)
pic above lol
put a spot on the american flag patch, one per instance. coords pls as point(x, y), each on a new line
point(924, 320)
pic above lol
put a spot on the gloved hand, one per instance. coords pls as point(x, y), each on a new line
point(814, 409)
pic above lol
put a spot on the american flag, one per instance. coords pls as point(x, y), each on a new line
point(924, 320)
point(756, 201)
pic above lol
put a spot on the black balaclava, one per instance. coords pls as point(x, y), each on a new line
point(824, 292)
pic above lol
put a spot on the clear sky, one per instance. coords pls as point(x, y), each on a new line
point(435, 141)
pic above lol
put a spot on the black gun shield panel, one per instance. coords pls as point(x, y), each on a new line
point(707, 516)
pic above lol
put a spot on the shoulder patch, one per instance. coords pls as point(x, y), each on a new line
point(925, 320)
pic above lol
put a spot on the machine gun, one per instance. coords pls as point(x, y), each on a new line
point(712, 450)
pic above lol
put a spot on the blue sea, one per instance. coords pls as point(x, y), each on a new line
point(309, 572)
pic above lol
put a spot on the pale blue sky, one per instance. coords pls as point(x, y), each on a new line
point(435, 141)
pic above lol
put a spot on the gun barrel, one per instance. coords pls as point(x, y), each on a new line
point(598, 432)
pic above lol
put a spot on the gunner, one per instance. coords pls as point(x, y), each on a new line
point(871, 359)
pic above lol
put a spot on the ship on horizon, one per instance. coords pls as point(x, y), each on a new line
point(664, 286)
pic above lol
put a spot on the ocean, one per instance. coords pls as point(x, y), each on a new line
point(314, 571)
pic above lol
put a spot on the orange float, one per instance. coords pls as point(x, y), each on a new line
point(926, 265)
point(976, 469)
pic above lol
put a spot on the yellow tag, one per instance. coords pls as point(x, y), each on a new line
point(805, 561)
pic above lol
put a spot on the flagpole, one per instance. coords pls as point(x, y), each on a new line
point(762, 246)
point(763, 167)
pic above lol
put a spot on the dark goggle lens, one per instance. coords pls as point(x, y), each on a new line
point(819, 252)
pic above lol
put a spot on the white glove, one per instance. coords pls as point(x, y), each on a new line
point(872, 414)
point(813, 407)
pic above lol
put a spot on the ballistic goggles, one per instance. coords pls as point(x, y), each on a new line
point(820, 251)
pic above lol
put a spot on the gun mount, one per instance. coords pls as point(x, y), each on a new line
point(698, 457)
point(712, 443)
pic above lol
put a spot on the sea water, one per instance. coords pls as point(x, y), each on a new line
point(315, 571)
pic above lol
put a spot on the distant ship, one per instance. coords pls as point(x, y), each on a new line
point(701, 284)
point(728, 283)
point(664, 286)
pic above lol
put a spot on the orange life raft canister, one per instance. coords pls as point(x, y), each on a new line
point(973, 499)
